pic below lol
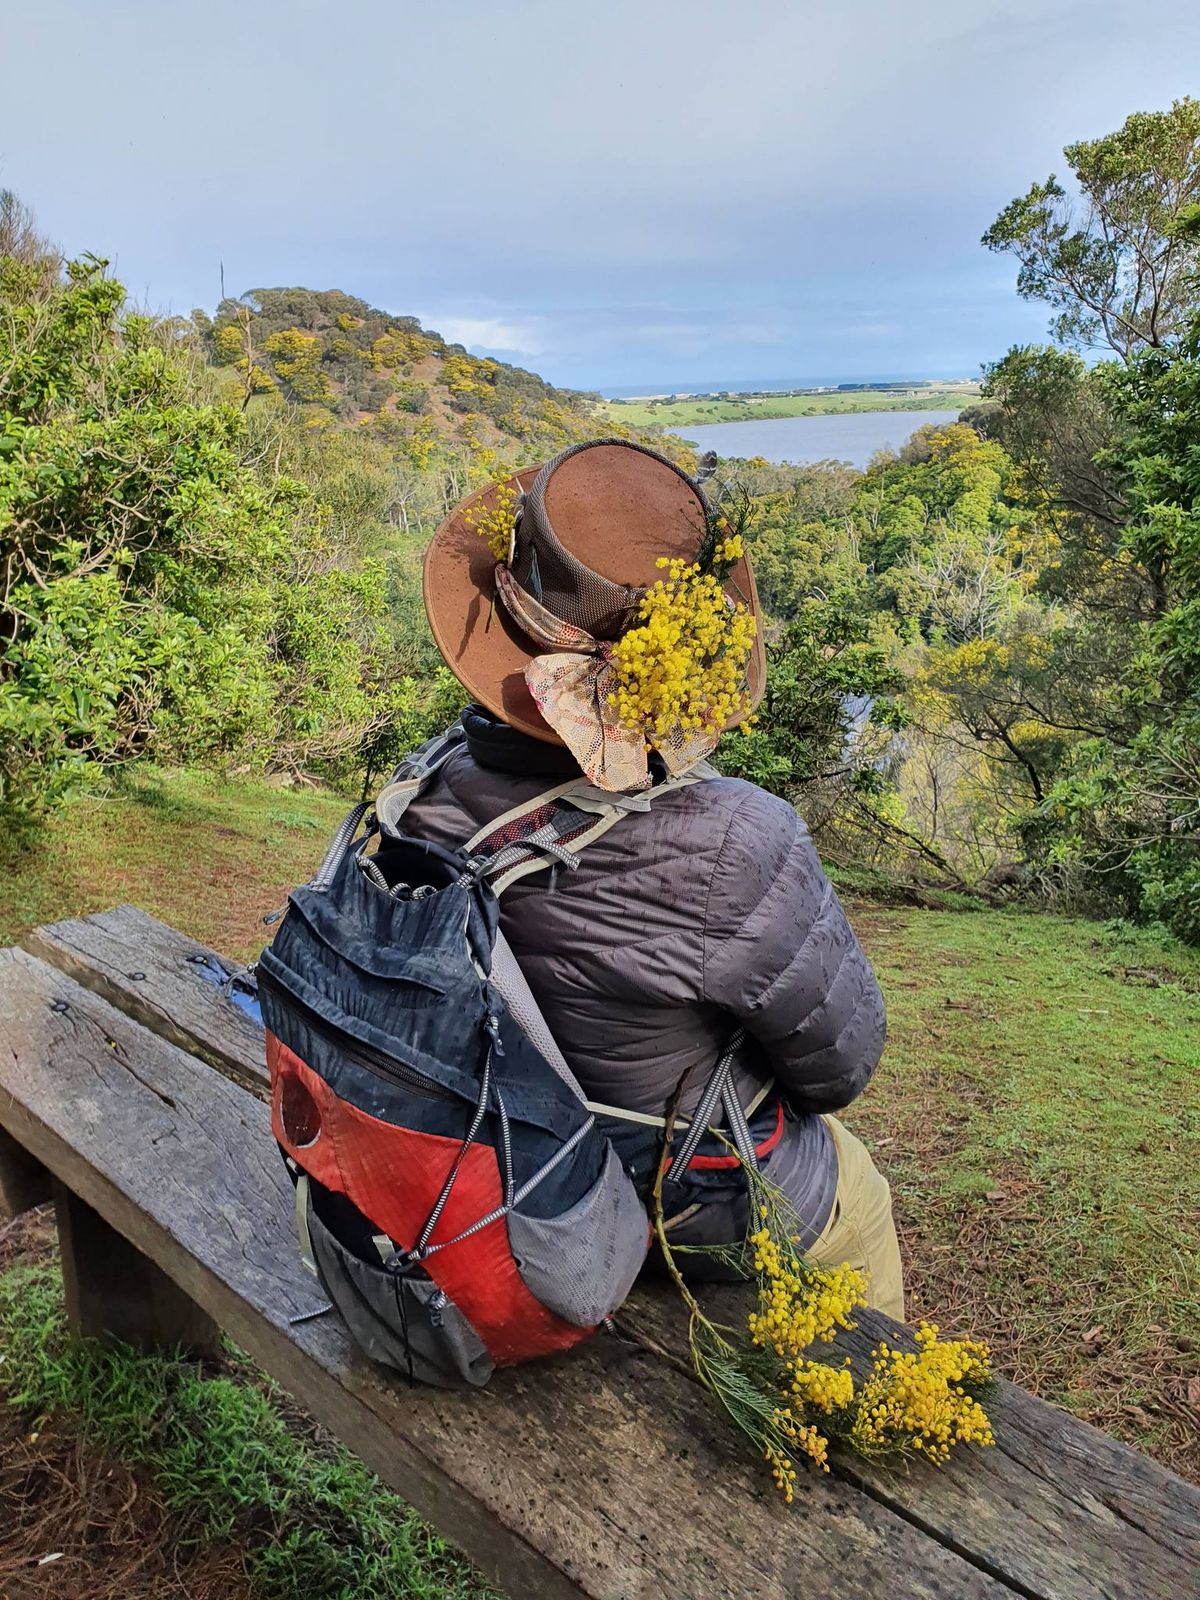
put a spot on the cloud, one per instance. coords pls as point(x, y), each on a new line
point(489, 333)
point(687, 191)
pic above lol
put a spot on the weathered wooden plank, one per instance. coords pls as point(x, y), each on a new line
point(602, 1474)
point(1058, 1508)
point(24, 1182)
point(157, 976)
point(110, 1287)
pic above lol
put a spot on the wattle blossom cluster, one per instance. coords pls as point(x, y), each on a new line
point(494, 523)
point(799, 1304)
point(922, 1400)
point(684, 664)
point(791, 1405)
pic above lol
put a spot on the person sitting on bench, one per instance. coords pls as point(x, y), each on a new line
point(703, 918)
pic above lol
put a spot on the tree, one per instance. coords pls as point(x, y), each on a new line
point(820, 737)
point(1132, 811)
point(1116, 261)
point(21, 242)
point(168, 588)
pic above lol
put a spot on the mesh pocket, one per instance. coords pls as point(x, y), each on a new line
point(404, 1321)
point(582, 1263)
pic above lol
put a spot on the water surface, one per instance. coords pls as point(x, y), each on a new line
point(852, 436)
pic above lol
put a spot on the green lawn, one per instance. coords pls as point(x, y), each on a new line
point(686, 413)
point(1037, 1111)
point(210, 855)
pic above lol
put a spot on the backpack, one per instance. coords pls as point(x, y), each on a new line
point(455, 1192)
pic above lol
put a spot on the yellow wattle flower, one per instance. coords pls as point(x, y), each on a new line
point(684, 663)
point(494, 524)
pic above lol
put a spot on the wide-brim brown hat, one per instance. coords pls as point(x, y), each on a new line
point(593, 525)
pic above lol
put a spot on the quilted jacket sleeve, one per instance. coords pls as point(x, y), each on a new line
point(780, 955)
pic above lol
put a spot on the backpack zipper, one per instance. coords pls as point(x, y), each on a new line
point(373, 1060)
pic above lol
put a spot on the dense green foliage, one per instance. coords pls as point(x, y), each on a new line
point(210, 531)
point(172, 584)
point(983, 651)
point(1022, 587)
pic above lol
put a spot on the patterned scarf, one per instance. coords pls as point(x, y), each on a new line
point(571, 689)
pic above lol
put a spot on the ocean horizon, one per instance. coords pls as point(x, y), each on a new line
point(630, 391)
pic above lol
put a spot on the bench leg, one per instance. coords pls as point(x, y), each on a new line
point(24, 1181)
point(111, 1288)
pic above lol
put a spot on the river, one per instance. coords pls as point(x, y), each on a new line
point(852, 436)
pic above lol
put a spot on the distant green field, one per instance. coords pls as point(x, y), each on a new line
point(686, 413)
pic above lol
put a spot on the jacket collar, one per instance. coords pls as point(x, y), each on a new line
point(493, 744)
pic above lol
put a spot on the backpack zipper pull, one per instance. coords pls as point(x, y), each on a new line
point(492, 1029)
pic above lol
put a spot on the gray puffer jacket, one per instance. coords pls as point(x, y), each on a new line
point(709, 909)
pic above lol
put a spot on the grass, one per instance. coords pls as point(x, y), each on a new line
point(305, 1516)
point(1038, 1113)
point(208, 854)
point(745, 408)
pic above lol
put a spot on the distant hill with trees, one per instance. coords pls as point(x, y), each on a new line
point(340, 360)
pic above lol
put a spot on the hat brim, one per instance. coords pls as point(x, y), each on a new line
point(484, 648)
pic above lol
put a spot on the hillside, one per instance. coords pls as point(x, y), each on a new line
point(347, 364)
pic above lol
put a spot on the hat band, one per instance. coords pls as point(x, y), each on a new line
point(573, 689)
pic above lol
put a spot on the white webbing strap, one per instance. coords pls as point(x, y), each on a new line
point(302, 1229)
point(580, 795)
point(647, 1120)
point(517, 812)
point(571, 846)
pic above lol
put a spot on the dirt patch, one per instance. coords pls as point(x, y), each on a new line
point(29, 1237)
point(76, 1522)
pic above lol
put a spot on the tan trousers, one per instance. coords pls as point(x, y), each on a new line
point(860, 1229)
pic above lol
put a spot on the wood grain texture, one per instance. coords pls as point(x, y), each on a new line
point(24, 1181)
point(110, 1287)
point(599, 1474)
point(1058, 1509)
point(151, 972)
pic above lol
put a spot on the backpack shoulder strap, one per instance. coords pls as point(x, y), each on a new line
point(412, 775)
point(554, 826)
point(406, 783)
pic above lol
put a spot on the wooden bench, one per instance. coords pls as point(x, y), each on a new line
point(605, 1473)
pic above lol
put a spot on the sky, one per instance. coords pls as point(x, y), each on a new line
point(643, 195)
